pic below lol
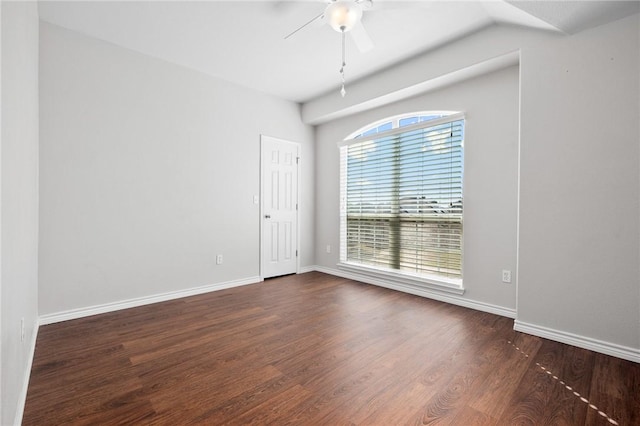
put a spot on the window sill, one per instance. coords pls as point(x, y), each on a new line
point(404, 279)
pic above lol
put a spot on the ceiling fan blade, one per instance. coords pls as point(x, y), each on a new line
point(361, 38)
point(366, 4)
point(319, 17)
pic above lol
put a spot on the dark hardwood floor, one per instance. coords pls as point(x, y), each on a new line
point(314, 349)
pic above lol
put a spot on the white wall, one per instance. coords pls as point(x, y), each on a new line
point(579, 247)
point(491, 170)
point(580, 213)
point(452, 61)
point(19, 195)
point(148, 170)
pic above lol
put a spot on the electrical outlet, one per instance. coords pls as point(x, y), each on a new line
point(219, 259)
point(506, 276)
point(328, 248)
point(22, 329)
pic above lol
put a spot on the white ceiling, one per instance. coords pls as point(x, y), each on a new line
point(243, 42)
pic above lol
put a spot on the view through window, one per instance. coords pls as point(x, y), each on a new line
point(402, 196)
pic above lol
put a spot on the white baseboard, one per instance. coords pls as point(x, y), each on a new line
point(141, 301)
point(607, 348)
point(430, 294)
point(305, 269)
point(22, 398)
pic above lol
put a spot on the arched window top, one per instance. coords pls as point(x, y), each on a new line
point(397, 121)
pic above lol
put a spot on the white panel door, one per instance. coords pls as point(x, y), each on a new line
point(279, 207)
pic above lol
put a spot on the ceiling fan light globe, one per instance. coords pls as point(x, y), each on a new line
point(343, 15)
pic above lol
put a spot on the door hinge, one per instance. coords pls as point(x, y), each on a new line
point(296, 206)
point(296, 253)
point(297, 160)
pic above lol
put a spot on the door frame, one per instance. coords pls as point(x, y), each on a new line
point(261, 217)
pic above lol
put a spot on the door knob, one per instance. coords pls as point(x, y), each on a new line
point(267, 216)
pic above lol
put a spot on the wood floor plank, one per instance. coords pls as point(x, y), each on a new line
point(494, 394)
point(315, 349)
point(614, 389)
point(458, 384)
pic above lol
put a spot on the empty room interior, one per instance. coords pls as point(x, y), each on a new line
point(320, 212)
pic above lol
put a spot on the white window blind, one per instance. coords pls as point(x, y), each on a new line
point(402, 199)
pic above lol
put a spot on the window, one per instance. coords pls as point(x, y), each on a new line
point(401, 190)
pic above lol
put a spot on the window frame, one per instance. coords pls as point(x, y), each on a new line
point(398, 277)
point(395, 123)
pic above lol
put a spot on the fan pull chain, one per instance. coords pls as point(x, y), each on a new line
point(344, 63)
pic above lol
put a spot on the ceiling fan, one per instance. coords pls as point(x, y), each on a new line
point(344, 16)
